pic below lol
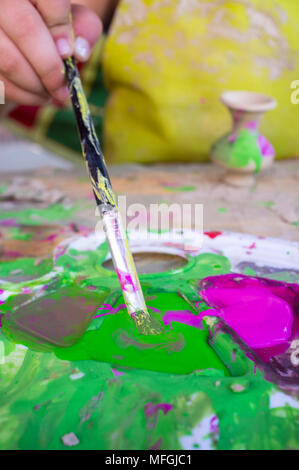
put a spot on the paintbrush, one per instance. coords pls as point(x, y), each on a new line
point(107, 206)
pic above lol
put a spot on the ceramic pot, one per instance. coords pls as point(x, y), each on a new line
point(244, 151)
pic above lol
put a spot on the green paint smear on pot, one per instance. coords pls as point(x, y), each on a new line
point(43, 397)
point(179, 350)
point(241, 152)
point(46, 215)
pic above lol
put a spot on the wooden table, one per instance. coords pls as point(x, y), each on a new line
point(270, 208)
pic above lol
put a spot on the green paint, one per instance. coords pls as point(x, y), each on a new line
point(24, 268)
point(284, 276)
point(267, 204)
point(108, 413)
point(44, 396)
point(53, 213)
point(222, 209)
point(249, 271)
point(178, 351)
point(241, 152)
point(180, 188)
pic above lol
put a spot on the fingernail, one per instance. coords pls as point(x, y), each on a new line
point(82, 48)
point(63, 47)
point(62, 94)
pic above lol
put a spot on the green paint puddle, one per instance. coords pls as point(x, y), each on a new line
point(58, 317)
point(180, 350)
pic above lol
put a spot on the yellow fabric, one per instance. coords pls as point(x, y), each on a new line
point(166, 62)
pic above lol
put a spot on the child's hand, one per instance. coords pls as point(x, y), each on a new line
point(34, 37)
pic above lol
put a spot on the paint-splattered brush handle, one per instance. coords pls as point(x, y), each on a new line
point(106, 202)
point(90, 145)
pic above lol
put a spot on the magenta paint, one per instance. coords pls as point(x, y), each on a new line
point(251, 126)
point(260, 311)
point(110, 310)
point(266, 148)
point(184, 316)
point(9, 223)
point(151, 409)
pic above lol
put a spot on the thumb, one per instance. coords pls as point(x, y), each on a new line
point(88, 28)
point(57, 16)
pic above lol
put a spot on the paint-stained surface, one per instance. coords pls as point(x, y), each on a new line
point(47, 402)
point(193, 387)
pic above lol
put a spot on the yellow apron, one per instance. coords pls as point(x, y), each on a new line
point(166, 62)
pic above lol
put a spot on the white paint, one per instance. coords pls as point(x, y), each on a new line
point(76, 376)
point(279, 399)
point(199, 436)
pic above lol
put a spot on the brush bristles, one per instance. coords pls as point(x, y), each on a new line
point(145, 324)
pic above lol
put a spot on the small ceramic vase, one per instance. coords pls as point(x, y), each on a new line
point(244, 151)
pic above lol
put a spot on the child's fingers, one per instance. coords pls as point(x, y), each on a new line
point(24, 26)
point(88, 28)
point(57, 16)
point(18, 95)
point(16, 68)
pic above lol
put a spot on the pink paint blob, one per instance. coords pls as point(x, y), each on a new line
point(261, 318)
point(50, 238)
point(126, 281)
point(151, 409)
point(26, 290)
point(110, 310)
point(232, 138)
point(13, 254)
point(251, 126)
point(212, 235)
point(182, 316)
point(9, 223)
point(266, 148)
point(117, 373)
